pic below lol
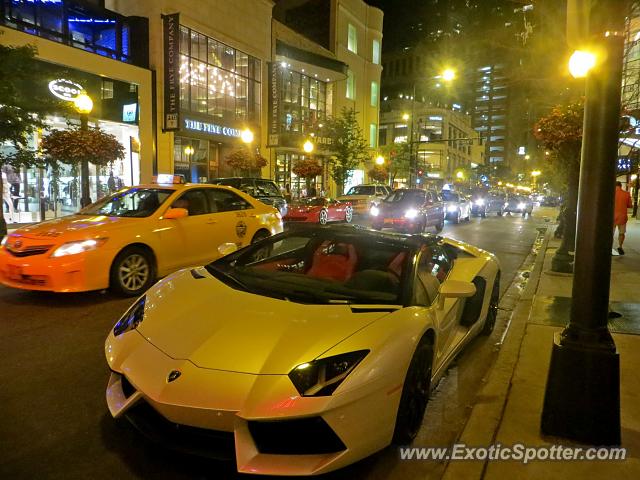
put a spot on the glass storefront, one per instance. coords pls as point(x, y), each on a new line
point(290, 183)
point(191, 159)
point(305, 102)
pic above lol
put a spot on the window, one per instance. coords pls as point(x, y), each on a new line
point(374, 94)
point(107, 89)
point(372, 135)
point(351, 86)
point(352, 40)
point(375, 56)
point(224, 201)
point(218, 80)
point(194, 201)
point(305, 101)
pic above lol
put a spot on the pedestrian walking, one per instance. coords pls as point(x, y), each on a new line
point(622, 204)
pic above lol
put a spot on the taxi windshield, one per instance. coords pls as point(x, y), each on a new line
point(362, 190)
point(135, 202)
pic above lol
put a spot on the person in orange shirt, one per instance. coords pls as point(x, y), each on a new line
point(622, 204)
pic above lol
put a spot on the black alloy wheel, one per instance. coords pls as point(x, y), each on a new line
point(492, 313)
point(415, 395)
point(132, 272)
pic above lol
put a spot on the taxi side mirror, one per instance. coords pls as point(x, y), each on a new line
point(455, 289)
point(174, 213)
point(227, 248)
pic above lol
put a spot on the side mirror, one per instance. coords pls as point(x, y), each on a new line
point(227, 249)
point(455, 289)
point(174, 213)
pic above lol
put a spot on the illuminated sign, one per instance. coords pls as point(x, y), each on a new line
point(435, 117)
point(65, 89)
point(129, 112)
point(211, 128)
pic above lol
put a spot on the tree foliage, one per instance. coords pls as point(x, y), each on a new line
point(74, 145)
point(349, 146)
point(379, 174)
point(245, 161)
point(398, 158)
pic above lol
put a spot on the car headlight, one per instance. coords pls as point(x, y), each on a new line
point(320, 378)
point(132, 318)
point(480, 202)
point(375, 211)
point(452, 208)
point(411, 213)
point(521, 206)
point(72, 248)
point(506, 204)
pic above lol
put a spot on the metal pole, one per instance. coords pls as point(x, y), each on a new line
point(413, 174)
point(84, 167)
point(582, 398)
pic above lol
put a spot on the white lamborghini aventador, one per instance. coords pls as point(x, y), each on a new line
point(304, 352)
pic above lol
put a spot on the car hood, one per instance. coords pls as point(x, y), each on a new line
point(75, 226)
point(351, 198)
point(193, 316)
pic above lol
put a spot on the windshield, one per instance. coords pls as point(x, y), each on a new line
point(406, 196)
point(135, 202)
point(309, 202)
point(320, 268)
point(449, 196)
point(362, 190)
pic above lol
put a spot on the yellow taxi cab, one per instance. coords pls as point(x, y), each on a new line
point(129, 239)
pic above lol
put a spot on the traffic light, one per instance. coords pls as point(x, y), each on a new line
point(420, 172)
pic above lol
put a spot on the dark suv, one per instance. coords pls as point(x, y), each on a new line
point(259, 188)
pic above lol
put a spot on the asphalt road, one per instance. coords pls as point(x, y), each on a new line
point(54, 421)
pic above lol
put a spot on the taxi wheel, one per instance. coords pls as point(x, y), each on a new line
point(415, 395)
point(323, 217)
point(264, 252)
point(132, 272)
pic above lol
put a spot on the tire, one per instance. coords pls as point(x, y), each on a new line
point(484, 213)
point(348, 215)
point(264, 252)
point(492, 313)
point(500, 212)
point(415, 395)
point(422, 226)
point(524, 214)
point(457, 219)
point(323, 217)
point(132, 272)
point(439, 226)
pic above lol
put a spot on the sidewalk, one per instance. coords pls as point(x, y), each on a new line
point(508, 408)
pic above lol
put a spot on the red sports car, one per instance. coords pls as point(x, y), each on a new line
point(319, 210)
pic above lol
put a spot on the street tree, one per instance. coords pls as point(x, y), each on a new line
point(349, 146)
point(379, 174)
point(398, 157)
point(75, 145)
point(24, 105)
point(308, 169)
point(560, 132)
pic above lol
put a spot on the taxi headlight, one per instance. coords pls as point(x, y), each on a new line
point(81, 246)
point(375, 211)
point(480, 202)
point(320, 378)
point(452, 209)
point(132, 318)
point(411, 213)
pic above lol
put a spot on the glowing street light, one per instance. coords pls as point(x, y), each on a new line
point(188, 150)
point(308, 146)
point(448, 75)
point(83, 104)
point(246, 136)
point(460, 175)
point(535, 173)
point(405, 116)
point(379, 160)
point(527, 157)
point(581, 62)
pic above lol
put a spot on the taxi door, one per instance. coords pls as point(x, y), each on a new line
point(233, 220)
point(184, 240)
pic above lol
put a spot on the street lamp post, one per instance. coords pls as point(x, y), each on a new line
point(535, 174)
point(84, 106)
point(582, 396)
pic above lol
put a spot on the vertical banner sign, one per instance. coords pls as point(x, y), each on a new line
point(171, 30)
point(274, 104)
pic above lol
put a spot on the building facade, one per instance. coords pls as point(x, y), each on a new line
point(444, 141)
point(211, 62)
point(339, 42)
point(82, 47)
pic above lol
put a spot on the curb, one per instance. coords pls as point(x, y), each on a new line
point(484, 421)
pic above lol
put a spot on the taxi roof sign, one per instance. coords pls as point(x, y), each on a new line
point(166, 178)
